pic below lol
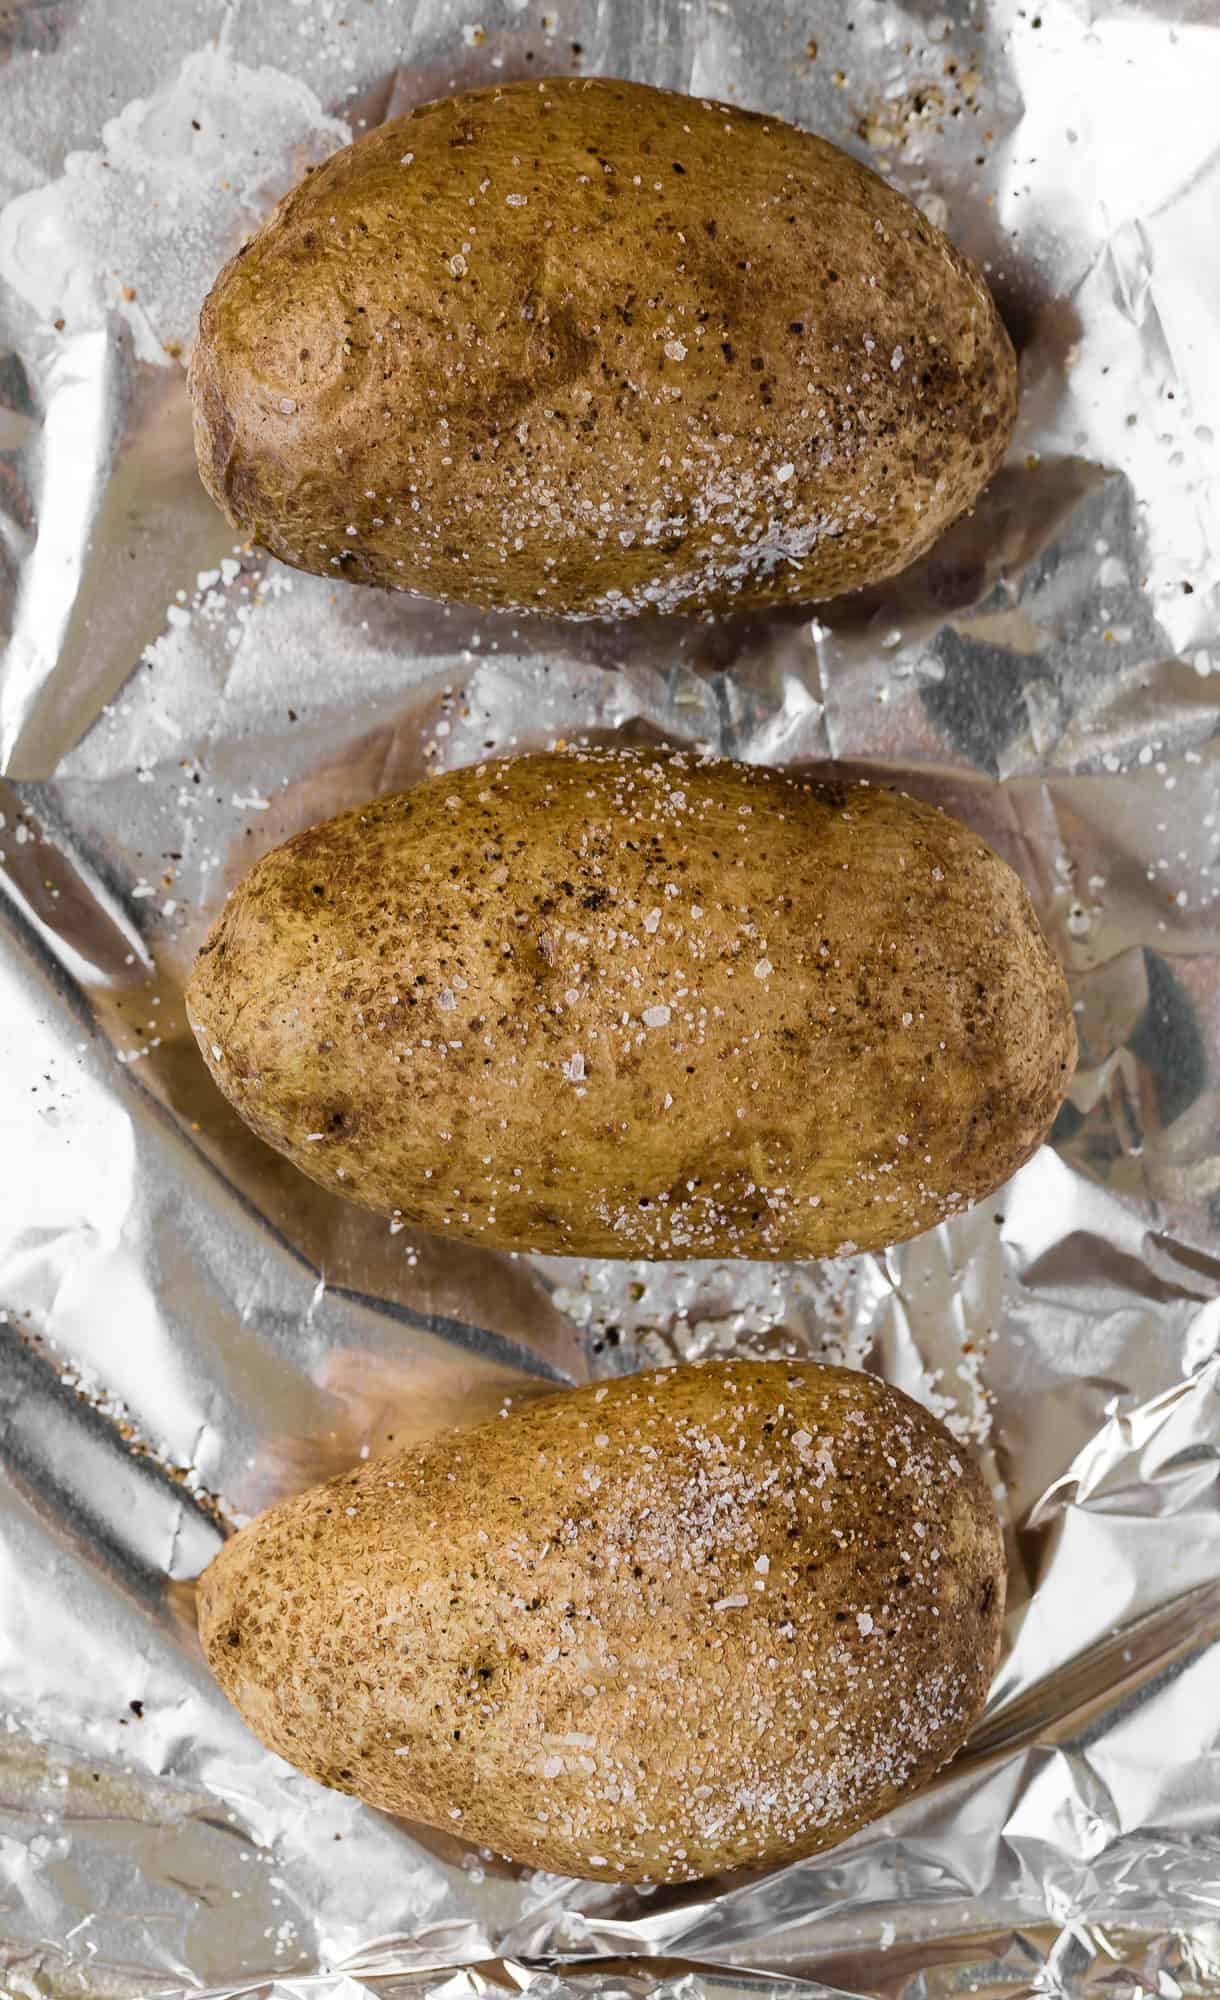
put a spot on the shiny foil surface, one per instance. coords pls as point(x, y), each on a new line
point(190, 1329)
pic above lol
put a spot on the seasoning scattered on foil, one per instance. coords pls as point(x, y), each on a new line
point(191, 1330)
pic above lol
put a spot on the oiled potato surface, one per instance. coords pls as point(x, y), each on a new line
point(719, 1614)
point(632, 1003)
point(590, 348)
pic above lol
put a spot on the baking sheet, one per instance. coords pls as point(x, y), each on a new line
point(192, 1330)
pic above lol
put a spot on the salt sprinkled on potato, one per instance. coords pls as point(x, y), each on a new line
point(589, 348)
point(639, 1004)
point(716, 1615)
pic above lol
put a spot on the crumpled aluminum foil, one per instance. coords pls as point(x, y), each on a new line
point(192, 1329)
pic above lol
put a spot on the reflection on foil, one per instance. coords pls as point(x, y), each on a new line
point(191, 1330)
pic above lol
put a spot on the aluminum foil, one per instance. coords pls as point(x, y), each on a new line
point(192, 1329)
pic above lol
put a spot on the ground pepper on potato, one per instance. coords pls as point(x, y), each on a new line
point(587, 347)
point(641, 1631)
point(642, 1004)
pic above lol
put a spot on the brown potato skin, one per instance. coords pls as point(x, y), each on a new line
point(867, 1030)
point(408, 379)
point(533, 1613)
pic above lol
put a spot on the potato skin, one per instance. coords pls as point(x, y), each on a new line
point(700, 1617)
point(635, 1004)
point(590, 348)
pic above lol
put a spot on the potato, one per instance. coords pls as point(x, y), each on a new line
point(635, 1004)
point(589, 348)
point(695, 1618)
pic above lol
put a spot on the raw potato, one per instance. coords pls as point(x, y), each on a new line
point(586, 347)
point(697, 1618)
point(635, 1004)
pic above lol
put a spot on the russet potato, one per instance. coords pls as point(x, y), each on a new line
point(714, 1615)
point(590, 348)
point(641, 1004)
